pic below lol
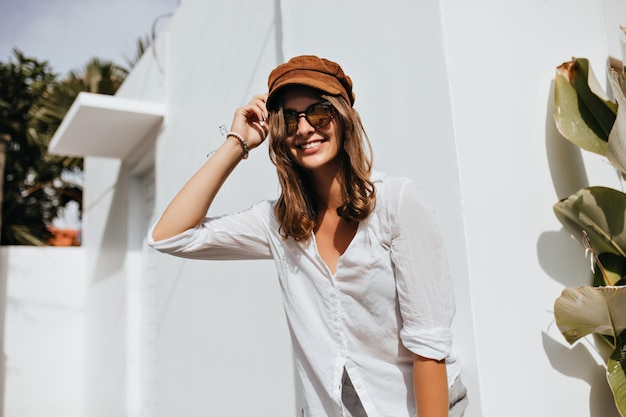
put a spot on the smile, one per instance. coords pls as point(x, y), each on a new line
point(311, 145)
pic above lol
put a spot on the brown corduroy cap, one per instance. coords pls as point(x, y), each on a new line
point(310, 71)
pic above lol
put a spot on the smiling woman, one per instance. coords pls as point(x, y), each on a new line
point(360, 258)
point(311, 146)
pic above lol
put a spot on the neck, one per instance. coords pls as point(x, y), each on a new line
point(328, 191)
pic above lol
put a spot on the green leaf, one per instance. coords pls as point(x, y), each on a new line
point(613, 268)
point(581, 112)
point(616, 147)
point(616, 375)
point(589, 90)
point(601, 212)
point(585, 310)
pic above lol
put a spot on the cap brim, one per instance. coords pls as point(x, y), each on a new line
point(320, 81)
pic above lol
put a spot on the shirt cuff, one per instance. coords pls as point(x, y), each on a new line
point(432, 343)
point(170, 244)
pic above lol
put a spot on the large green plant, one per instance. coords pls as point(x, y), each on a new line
point(32, 105)
point(588, 118)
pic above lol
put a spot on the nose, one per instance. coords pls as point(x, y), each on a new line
point(304, 127)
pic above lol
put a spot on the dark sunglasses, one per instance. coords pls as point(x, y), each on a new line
point(318, 115)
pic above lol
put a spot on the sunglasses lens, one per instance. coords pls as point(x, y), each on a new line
point(318, 115)
point(291, 122)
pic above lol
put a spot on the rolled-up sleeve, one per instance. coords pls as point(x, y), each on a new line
point(236, 236)
point(423, 280)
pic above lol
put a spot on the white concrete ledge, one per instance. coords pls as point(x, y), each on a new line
point(105, 126)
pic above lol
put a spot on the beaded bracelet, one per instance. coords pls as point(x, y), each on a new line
point(243, 142)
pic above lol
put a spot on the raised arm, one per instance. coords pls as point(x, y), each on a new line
point(190, 205)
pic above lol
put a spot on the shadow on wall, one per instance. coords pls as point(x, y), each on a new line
point(578, 362)
point(112, 250)
point(568, 176)
point(562, 256)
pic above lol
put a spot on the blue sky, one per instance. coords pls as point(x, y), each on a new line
point(68, 33)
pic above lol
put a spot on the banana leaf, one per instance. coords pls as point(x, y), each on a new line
point(610, 271)
point(602, 310)
point(588, 88)
point(616, 375)
point(601, 213)
point(582, 112)
point(616, 147)
point(585, 310)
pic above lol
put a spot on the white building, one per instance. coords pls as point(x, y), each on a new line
point(43, 290)
point(455, 94)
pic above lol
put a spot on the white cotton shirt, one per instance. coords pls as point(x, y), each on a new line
point(390, 296)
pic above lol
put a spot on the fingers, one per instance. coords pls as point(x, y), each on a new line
point(255, 111)
point(251, 120)
point(258, 106)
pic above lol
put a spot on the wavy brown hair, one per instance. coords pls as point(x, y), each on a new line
point(295, 209)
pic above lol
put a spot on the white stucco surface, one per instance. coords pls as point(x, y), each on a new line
point(455, 94)
point(43, 331)
point(513, 167)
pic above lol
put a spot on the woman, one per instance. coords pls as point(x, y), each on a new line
point(361, 263)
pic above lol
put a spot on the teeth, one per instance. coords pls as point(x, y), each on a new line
point(310, 145)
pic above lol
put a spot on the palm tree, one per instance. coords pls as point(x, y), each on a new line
point(32, 106)
point(22, 84)
point(142, 45)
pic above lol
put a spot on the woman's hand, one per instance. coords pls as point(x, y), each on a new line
point(250, 121)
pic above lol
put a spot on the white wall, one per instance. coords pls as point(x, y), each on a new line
point(454, 94)
point(224, 347)
point(44, 331)
point(513, 167)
